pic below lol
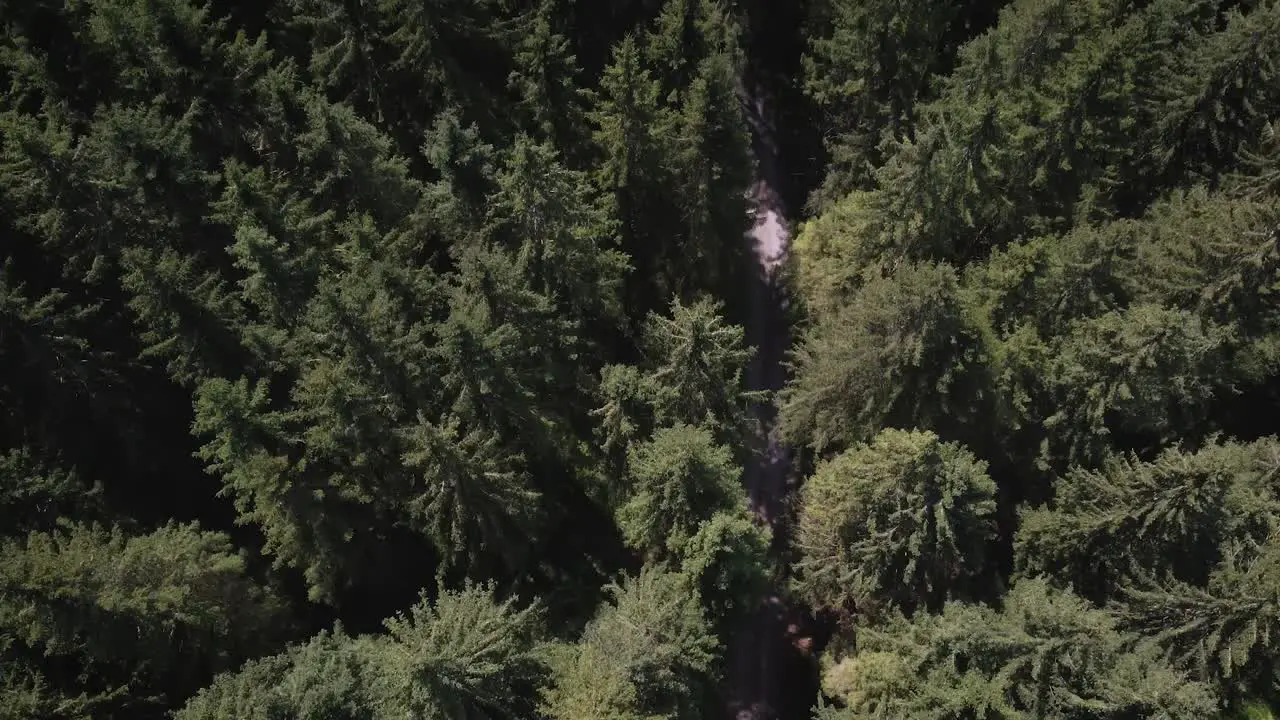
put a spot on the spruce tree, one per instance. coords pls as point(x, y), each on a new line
point(1171, 517)
point(679, 479)
point(1045, 653)
point(121, 625)
point(902, 523)
point(899, 354)
point(649, 652)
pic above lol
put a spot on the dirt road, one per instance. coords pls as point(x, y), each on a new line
point(763, 647)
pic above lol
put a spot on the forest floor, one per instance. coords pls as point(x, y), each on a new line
point(768, 653)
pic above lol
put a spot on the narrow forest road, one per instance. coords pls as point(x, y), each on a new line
point(767, 328)
point(763, 654)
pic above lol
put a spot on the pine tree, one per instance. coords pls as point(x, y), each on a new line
point(729, 559)
point(868, 66)
point(679, 478)
point(1171, 517)
point(561, 235)
point(711, 170)
point(624, 115)
point(1146, 374)
point(546, 78)
point(1044, 654)
point(1002, 152)
point(697, 362)
point(904, 522)
point(649, 652)
point(1261, 174)
point(37, 491)
point(116, 621)
point(1225, 99)
point(466, 655)
point(328, 678)
point(899, 354)
point(1225, 631)
point(474, 498)
point(624, 414)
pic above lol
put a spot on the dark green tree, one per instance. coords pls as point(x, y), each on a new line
point(868, 66)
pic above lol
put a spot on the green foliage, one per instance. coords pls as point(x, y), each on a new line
point(1147, 371)
point(366, 262)
point(902, 522)
point(674, 152)
point(1167, 518)
point(729, 559)
point(562, 234)
point(545, 78)
point(473, 495)
point(1044, 654)
point(466, 655)
point(135, 615)
point(1094, 183)
point(648, 653)
point(35, 493)
point(697, 363)
point(1225, 629)
point(326, 299)
point(895, 355)
point(624, 415)
point(678, 478)
point(869, 65)
point(328, 678)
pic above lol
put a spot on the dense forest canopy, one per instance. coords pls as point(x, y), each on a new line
point(389, 358)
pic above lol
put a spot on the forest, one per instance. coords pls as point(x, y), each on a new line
point(372, 359)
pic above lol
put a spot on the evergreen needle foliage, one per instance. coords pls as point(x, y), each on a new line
point(410, 358)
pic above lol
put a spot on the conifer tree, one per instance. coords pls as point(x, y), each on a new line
point(697, 362)
point(561, 235)
point(1224, 631)
point(1172, 517)
point(36, 491)
point(901, 523)
point(119, 621)
point(728, 557)
point(895, 356)
point(546, 78)
point(624, 116)
point(868, 67)
point(679, 478)
point(1225, 99)
point(465, 655)
point(649, 652)
point(710, 170)
point(1044, 654)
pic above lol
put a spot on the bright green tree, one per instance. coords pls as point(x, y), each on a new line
point(465, 655)
point(117, 623)
point(649, 652)
point(679, 479)
point(901, 523)
point(1045, 653)
point(899, 354)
